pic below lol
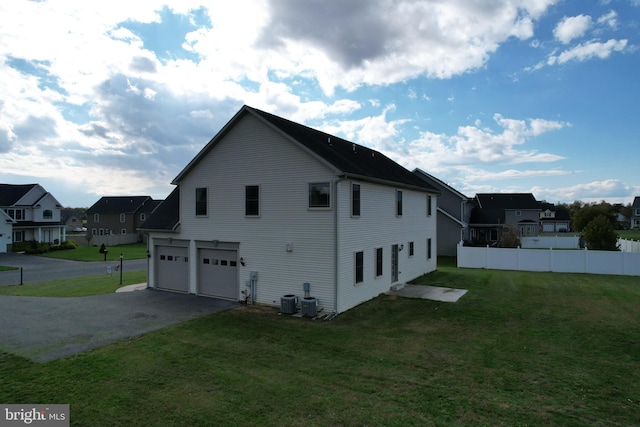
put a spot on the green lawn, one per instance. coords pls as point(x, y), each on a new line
point(519, 349)
point(91, 253)
point(77, 286)
point(629, 234)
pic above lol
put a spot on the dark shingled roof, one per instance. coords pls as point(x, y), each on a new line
point(118, 204)
point(507, 201)
point(350, 159)
point(10, 193)
point(166, 216)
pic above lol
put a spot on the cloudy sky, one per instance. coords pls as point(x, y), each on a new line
point(115, 98)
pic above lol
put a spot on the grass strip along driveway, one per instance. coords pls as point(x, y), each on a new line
point(518, 349)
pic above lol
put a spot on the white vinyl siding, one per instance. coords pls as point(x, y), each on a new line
point(253, 154)
point(379, 227)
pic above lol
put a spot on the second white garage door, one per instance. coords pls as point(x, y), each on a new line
point(218, 273)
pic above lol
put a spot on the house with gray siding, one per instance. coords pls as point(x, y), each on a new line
point(495, 214)
point(453, 210)
point(635, 214)
point(271, 208)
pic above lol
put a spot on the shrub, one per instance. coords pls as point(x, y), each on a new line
point(67, 245)
point(31, 247)
point(600, 234)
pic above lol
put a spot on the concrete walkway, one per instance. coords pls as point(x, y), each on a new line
point(434, 293)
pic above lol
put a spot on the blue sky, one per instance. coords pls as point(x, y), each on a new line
point(116, 98)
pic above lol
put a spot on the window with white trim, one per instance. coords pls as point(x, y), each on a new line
point(252, 200)
point(123, 217)
point(319, 195)
point(378, 262)
point(355, 199)
point(201, 201)
point(359, 267)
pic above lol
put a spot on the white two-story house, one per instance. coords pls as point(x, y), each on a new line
point(35, 214)
point(270, 208)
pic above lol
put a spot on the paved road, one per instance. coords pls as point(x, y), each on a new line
point(36, 269)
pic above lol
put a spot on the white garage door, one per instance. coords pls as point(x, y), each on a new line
point(172, 267)
point(218, 273)
point(548, 228)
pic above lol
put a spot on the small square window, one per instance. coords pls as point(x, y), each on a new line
point(319, 195)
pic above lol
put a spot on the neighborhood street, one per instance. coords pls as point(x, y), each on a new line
point(36, 268)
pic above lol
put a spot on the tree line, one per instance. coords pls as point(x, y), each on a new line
point(598, 222)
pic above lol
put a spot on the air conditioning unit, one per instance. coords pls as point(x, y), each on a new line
point(289, 304)
point(309, 306)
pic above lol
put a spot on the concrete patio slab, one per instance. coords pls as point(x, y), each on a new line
point(434, 293)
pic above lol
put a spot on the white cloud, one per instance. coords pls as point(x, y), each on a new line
point(573, 27)
point(476, 145)
point(610, 19)
point(589, 50)
point(590, 192)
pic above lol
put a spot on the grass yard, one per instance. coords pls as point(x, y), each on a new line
point(519, 349)
point(76, 286)
point(629, 234)
point(91, 253)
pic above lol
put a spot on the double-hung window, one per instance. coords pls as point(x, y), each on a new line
point(123, 217)
point(355, 199)
point(252, 200)
point(201, 201)
point(378, 262)
point(398, 203)
point(359, 267)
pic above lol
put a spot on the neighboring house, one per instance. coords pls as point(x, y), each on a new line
point(6, 227)
point(554, 221)
point(270, 208)
point(635, 214)
point(494, 214)
point(120, 215)
point(73, 219)
point(454, 211)
point(35, 211)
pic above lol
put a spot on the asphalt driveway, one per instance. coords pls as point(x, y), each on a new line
point(43, 328)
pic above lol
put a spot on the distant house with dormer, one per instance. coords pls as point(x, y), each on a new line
point(120, 216)
point(554, 220)
point(34, 214)
point(494, 214)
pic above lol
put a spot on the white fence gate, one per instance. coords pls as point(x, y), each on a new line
point(554, 260)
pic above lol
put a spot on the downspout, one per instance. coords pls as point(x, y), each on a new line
point(336, 246)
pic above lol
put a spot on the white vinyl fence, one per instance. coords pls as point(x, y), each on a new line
point(546, 242)
point(555, 260)
point(629, 245)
